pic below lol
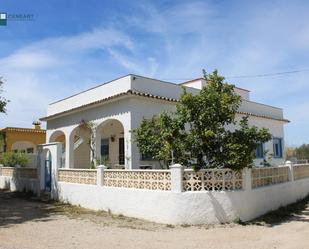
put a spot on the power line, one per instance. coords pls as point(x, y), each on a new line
point(268, 74)
point(252, 75)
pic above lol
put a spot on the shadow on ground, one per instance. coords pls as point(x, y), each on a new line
point(298, 211)
point(17, 208)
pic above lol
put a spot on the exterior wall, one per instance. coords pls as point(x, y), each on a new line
point(275, 127)
point(261, 109)
point(130, 111)
point(13, 137)
point(146, 108)
point(200, 83)
point(205, 207)
point(21, 185)
point(160, 88)
point(82, 157)
point(117, 110)
point(100, 92)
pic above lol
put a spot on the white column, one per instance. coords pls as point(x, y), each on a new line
point(176, 178)
point(55, 151)
point(100, 175)
point(291, 170)
point(247, 179)
point(93, 141)
point(128, 149)
point(69, 150)
point(98, 145)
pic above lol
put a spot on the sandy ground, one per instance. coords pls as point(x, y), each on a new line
point(26, 223)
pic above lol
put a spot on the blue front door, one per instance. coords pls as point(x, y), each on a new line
point(47, 175)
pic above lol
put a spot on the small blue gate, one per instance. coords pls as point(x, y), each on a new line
point(48, 175)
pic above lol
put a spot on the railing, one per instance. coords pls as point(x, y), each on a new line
point(81, 176)
point(268, 176)
point(7, 171)
point(212, 180)
point(29, 173)
point(301, 171)
point(178, 180)
point(139, 179)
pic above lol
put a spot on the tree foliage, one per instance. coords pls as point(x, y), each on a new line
point(301, 152)
point(3, 101)
point(202, 125)
point(161, 137)
point(12, 159)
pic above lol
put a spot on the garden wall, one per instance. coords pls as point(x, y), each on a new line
point(19, 179)
point(175, 196)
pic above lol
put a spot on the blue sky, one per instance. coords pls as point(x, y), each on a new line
point(73, 45)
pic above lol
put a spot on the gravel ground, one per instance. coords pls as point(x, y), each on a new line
point(28, 223)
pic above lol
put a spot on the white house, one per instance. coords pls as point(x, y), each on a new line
point(118, 106)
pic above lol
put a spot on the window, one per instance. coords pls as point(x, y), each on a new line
point(259, 152)
point(30, 150)
point(105, 148)
point(121, 151)
point(146, 157)
point(277, 143)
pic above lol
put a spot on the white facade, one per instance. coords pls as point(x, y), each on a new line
point(118, 106)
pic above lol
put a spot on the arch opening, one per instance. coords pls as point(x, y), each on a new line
point(111, 148)
point(59, 136)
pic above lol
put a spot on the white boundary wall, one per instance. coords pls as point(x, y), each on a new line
point(176, 206)
point(21, 185)
point(203, 207)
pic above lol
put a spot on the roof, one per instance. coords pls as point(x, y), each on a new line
point(18, 129)
point(189, 81)
point(142, 94)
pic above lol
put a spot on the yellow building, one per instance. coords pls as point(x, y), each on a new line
point(22, 139)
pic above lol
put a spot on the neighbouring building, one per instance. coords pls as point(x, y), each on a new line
point(25, 140)
point(118, 106)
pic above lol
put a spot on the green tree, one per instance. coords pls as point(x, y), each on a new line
point(302, 152)
point(162, 137)
point(200, 126)
point(3, 101)
point(12, 159)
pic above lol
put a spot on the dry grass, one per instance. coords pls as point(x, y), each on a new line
point(102, 217)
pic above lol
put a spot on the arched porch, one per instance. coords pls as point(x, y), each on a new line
point(110, 144)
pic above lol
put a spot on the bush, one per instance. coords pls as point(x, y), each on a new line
point(12, 159)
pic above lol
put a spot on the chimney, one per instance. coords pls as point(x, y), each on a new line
point(37, 125)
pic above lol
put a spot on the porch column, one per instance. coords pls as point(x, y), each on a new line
point(94, 143)
point(98, 145)
point(69, 150)
point(128, 149)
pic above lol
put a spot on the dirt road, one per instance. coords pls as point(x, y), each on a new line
point(26, 223)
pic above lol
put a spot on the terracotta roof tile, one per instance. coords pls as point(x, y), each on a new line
point(142, 94)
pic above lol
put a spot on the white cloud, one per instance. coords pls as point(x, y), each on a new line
point(172, 42)
point(40, 73)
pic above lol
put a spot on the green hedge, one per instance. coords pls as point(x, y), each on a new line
point(11, 159)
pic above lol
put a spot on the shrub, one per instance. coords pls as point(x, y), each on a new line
point(12, 159)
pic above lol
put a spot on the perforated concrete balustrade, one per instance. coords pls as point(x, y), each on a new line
point(301, 171)
point(140, 179)
point(81, 176)
point(29, 173)
point(186, 180)
point(212, 180)
point(269, 176)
